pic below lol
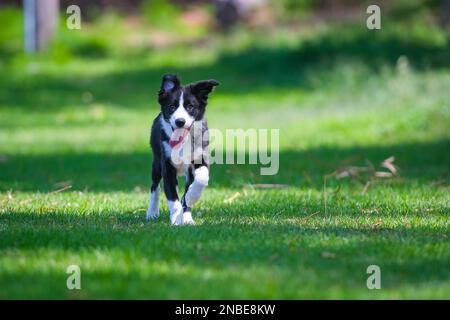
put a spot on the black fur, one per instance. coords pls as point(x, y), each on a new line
point(195, 96)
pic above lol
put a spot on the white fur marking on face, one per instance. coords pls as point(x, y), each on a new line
point(153, 205)
point(201, 178)
point(181, 112)
point(176, 212)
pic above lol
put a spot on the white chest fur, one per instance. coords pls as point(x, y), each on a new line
point(182, 168)
point(190, 151)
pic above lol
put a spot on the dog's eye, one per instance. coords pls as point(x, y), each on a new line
point(189, 107)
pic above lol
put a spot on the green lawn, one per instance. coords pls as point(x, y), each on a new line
point(343, 96)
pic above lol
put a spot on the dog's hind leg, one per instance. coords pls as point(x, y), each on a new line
point(153, 203)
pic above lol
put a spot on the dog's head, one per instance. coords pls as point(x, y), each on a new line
point(182, 105)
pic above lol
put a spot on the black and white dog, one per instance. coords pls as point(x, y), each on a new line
point(182, 109)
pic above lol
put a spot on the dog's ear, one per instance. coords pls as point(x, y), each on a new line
point(201, 89)
point(170, 82)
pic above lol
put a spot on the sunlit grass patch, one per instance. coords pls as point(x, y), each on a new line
point(75, 167)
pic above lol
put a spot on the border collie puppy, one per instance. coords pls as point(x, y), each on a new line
point(178, 127)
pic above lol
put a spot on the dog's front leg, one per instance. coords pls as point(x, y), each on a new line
point(170, 189)
point(194, 192)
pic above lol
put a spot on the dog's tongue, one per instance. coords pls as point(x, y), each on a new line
point(178, 137)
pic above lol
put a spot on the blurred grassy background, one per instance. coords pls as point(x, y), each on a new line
point(78, 115)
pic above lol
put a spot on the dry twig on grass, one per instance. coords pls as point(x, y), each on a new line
point(232, 198)
point(368, 175)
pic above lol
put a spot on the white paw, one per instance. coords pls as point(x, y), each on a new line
point(153, 205)
point(176, 219)
point(151, 214)
point(187, 218)
point(176, 213)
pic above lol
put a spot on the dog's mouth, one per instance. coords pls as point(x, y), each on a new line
point(178, 136)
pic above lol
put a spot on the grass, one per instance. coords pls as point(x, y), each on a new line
point(341, 96)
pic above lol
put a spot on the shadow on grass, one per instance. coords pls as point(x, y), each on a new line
point(420, 162)
point(239, 259)
point(257, 68)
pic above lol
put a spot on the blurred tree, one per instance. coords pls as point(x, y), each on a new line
point(446, 11)
point(227, 13)
point(230, 12)
point(40, 18)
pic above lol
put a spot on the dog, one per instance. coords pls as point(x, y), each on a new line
point(182, 109)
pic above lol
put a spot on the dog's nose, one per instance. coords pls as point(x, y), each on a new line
point(180, 122)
